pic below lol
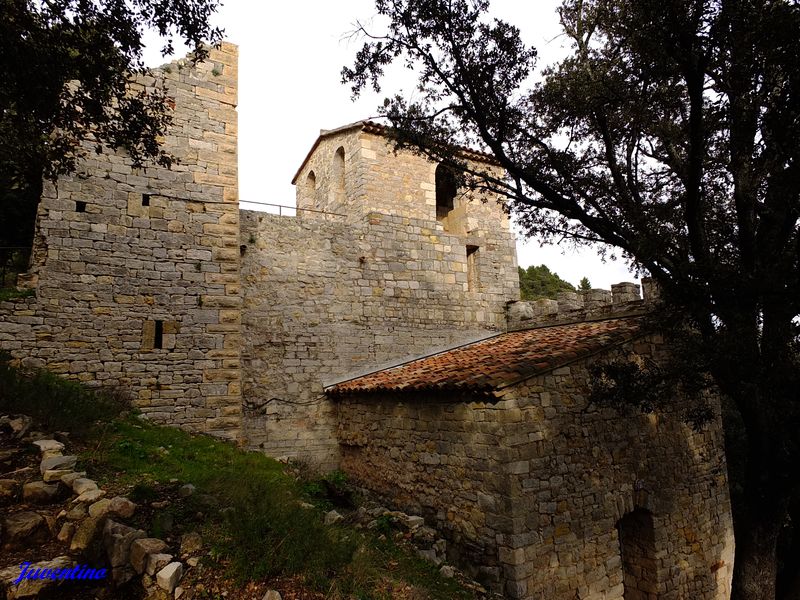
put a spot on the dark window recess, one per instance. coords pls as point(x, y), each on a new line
point(446, 188)
point(80, 206)
point(145, 199)
point(472, 268)
point(158, 340)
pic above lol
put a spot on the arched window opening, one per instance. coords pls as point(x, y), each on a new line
point(637, 549)
point(338, 175)
point(446, 188)
point(311, 189)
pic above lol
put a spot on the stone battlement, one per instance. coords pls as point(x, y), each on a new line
point(622, 299)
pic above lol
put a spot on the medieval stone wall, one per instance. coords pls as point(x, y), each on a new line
point(323, 299)
point(136, 271)
point(535, 490)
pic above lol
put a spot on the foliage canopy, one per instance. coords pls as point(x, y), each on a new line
point(669, 133)
point(541, 282)
point(65, 69)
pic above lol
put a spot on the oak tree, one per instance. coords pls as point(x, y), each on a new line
point(669, 133)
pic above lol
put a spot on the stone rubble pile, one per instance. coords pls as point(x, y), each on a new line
point(86, 522)
point(411, 528)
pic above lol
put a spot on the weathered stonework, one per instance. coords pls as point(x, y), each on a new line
point(365, 274)
point(146, 280)
point(136, 271)
point(324, 299)
point(234, 323)
point(535, 489)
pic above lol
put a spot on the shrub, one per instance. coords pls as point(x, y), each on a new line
point(271, 535)
point(55, 403)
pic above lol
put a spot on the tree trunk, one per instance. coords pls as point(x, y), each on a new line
point(755, 568)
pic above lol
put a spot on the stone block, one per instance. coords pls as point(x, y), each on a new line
point(141, 550)
point(156, 562)
point(169, 577)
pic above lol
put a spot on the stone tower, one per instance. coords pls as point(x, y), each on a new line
point(384, 260)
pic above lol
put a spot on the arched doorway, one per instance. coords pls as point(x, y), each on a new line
point(637, 548)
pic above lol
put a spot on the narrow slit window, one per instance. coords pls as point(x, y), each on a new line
point(145, 199)
point(80, 206)
point(338, 175)
point(311, 189)
point(446, 189)
point(158, 339)
point(472, 268)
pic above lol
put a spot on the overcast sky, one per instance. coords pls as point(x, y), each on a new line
point(290, 58)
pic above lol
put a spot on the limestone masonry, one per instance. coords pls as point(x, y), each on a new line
point(296, 335)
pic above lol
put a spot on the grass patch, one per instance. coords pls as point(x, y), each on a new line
point(13, 293)
point(55, 403)
point(246, 506)
point(262, 531)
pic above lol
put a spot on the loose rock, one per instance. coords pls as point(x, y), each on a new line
point(447, 572)
point(24, 529)
point(58, 462)
point(121, 507)
point(332, 517)
point(77, 512)
point(70, 478)
point(141, 549)
point(272, 595)
point(19, 425)
point(83, 485)
point(156, 562)
point(169, 577)
point(186, 490)
point(52, 475)
point(9, 489)
point(45, 445)
point(65, 533)
point(99, 508)
point(85, 534)
point(39, 492)
point(117, 539)
point(90, 496)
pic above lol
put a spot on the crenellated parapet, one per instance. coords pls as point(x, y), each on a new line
point(622, 299)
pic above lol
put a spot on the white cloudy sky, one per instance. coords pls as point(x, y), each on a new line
point(290, 58)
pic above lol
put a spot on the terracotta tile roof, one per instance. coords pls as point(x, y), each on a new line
point(497, 362)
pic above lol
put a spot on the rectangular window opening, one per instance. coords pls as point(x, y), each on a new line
point(80, 206)
point(158, 340)
point(472, 268)
point(145, 199)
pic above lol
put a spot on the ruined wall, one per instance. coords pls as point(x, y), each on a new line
point(324, 299)
point(529, 491)
point(127, 260)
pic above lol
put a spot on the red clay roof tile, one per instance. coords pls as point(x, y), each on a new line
point(498, 361)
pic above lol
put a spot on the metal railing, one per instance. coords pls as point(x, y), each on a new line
point(290, 211)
